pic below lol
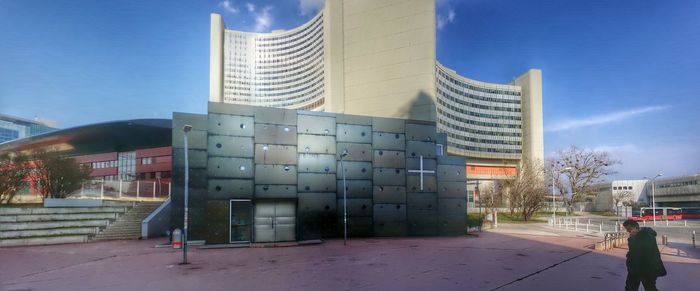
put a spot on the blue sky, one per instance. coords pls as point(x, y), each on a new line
point(621, 76)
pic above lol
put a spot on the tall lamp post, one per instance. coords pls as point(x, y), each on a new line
point(186, 129)
point(345, 199)
point(554, 203)
point(653, 200)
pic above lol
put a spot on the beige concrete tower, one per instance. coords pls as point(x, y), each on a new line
point(216, 59)
point(533, 136)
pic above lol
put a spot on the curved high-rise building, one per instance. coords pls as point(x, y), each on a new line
point(377, 57)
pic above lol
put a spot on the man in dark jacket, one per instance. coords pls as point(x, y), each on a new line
point(643, 258)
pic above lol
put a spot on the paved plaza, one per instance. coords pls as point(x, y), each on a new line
point(512, 257)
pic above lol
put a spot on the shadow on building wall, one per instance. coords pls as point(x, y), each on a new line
point(421, 107)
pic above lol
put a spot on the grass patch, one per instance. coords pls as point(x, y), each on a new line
point(22, 205)
point(507, 218)
point(474, 220)
point(603, 213)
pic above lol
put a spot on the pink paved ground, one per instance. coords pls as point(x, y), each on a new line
point(487, 262)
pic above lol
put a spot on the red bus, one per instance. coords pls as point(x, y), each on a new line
point(662, 213)
point(691, 212)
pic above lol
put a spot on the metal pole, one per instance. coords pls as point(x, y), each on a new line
point(187, 192)
point(138, 187)
point(102, 189)
point(154, 189)
point(120, 188)
point(554, 207)
point(653, 201)
point(481, 223)
point(345, 200)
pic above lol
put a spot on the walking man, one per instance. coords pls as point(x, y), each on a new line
point(643, 258)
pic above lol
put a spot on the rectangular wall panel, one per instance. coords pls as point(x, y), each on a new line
point(275, 174)
point(389, 159)
point(389, 194)
point(355, 188)
point(428, 164)
point(222, 167)
point(357, 226)
point(452, 189)
point(275, 134)
point(356, 151)
point(275, 191)
point(316, 144)
point(413, 183)
point(355, 170)
point(451, 160)
point(312, 124)
point(422, 201)
point(389, 176)
point(271, 115)
point(415, 149)
point(230, 146)
point(229, 188)
point(317, 202)
point(275, 154)
point(196, 139)
point(389, 141)
point(197, 158)
point(451, 173)
point(353, 119)
point(388, 125)
point(316, 182)
point(389, 220)
point(452, 206)
point(354, 133)
point(422, 222)
point(420, 132)
point(356, 207)
point(222, 124)
point(317, 163)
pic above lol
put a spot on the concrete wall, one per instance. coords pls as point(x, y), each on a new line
point(216, 59)
point(533, 133)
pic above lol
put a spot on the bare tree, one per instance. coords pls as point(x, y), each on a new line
point(527, 191)
point(56, 176)
point(13, 172)
point(488, 193)
point(620, 198)
point(582, 168)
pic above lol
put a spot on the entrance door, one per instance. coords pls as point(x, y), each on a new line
point(240, 220)
point(275, 221)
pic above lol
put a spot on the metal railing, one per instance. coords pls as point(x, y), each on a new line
point(612, 240)
point(125, 190)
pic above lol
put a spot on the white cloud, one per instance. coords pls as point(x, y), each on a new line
point(443, 20)
point(602, 119)
point(307, 7)
point(250, 7)
point(228, 7)
point(263, 19)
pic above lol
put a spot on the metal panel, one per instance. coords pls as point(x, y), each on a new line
point(217, 220)
point(415, 149)
point(452, 160)
point(389, 159)
point(271, 115)
point(413, 183)
point(197, 139)
point(275, 174)
point(222, 167)
point(451, 173)
point(414, 164)
point(317, 163)
point(275, 134)
point(452, 207)
point(285, 221)
point(388, 141)
point(389, 194)
point(354, 133)
point(275, 221)
point(230, 146)
point(388, 124)
point(275, 191)
point(353, 119)
point(356, 207)
point(275, 154)
point(229, 188)
point(452, 226)
point(316, 225)
point(422, 222)
point(357, 226)
point(198, 158)
point(389, 220)
point(310, 124)
point(197, 121)
point(355, 188)
point(389, 176)
point(420, 132)
point(317, 202)
point(230, 109)
point(198, 177)
point(316, 144)
point(355, 170)
point(235, 125)
point(422, 201)
point(452, 189)
point(356, 151)
point(316, 182)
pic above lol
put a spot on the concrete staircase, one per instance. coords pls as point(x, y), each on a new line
point(128, 225)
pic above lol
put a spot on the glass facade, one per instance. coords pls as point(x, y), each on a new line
point(127, 166)
point(480, 119)
point(13, 128)
point(276, 69)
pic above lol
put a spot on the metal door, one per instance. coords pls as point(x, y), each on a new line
point(240, 221)
point(275, 221)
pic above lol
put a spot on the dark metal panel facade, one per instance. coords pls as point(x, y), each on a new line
point(389, 159)
point(317, 163)
point(388, 125)
point(229, 189)
point(275, 134)
point(389, 176)
point(222, 124)
point(355, 170)
point(452, 189)
point(420, 132)
point(389, 141)
point(356, 151)
point(316, 144)
point(413, 183)
point(275, 191)
point(311, 182)
point(355, 188)
point(230, 146)
point(275, 175)
point(451, 173)
point(275, 154)
point(389, 194)
point(354, 133)
point(222, 167)
point(415, 149)
point(311, 124)
point(422, 201)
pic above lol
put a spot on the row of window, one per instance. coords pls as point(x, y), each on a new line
point(475, 88)
point(480, 149)
point(476, 105)
point(677, 184)
point(449, 87)
point(461, 110)
point(104, 164)
point(454, 118)
point(316, 53)
point(478, 131)
point(289, 43)
point(622, 187)
point(314, 42)
point(319, 18)
point(312, 62)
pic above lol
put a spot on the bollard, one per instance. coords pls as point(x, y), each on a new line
point(693, 239)
point(589, 221)
point(664, 240)
point(601, 228)
point(644, 222)
point(586, 228)
point(685, 223)
point(177, 238)
point(666, 222)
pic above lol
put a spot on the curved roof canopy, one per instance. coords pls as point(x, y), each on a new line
point(114, 136)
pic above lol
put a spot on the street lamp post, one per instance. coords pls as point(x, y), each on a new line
point(345, 199)
point(653, 200)
point(554, 203)
point(186, 129)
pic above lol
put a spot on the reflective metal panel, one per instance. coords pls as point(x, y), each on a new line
point(356, 151)
point(388, 141)
point(316, 144)
point(413, 183)
point(222, 124)
point(230, 109)
point(197, 121)
point(357, 226)
point(353, 119)
point(197, 139)
point(414, 164)
point(452, 189)
point(217, 219)
point(451, 173)
point(452, 207)
point(389, 212)
point(452, 160)
point(420, 132)
point(229, 188)
point(389, 194)
point(275, 191)
point(354, 133)
point(422, 222)
point(316, 182)
point(275, 115)
point(310, 124)
point(355, 170)
point(415, 149)
point(356, 207)
point(422, 201)
point(389, 159)
point(355, 188)
point(230, 146)
point(390, 176)
point(222, 167)
point(317, 163)
point(275, 174)
point(388, 124)
point(275, 134)
point(198, 158)
point(317, 202)
point(275, 154)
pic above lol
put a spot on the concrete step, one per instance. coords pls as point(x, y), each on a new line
point(48, 232)
point(56, 217)
point(33, 241)
point(59, 210)
point(53, 224)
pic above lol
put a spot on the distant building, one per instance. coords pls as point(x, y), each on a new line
point(14, 127)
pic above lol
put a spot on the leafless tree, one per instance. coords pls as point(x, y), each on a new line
point(581, 168)
point(13, 172)
point(527, 191)
point(620, 198)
